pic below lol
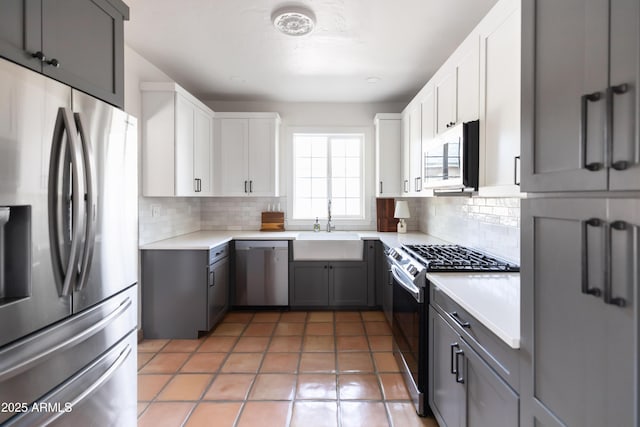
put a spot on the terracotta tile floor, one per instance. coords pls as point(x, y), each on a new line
point(277, 369)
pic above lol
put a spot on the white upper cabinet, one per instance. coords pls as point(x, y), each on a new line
point(411, 163)
point(177, 140)
point(388, 149)
point(500, 100)
point(457, 86)
point(246, 153)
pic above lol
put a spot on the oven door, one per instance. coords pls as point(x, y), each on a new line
point(410, 337)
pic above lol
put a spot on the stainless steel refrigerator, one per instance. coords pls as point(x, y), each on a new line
point(68, 255)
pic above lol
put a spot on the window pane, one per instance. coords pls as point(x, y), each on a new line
point(337, 207)
point(337, 148)
point(338, 167)
point(303, 167)
point(352, 166)
point(352, 207)
point(303, 187)
point(352, 187)
point(302, 208)
point(338, 187)
point(319, 187)
point(352, 147)
point(302, 146)
point(318, 208)
point(319, 147)
point(319, 167)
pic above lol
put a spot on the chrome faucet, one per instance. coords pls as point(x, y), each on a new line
point(329, 226)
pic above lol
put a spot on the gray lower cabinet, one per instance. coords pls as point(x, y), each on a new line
point(183, 291)
point(464, 390)
point(78, 42)
point(580, 339)
point(328, 284)
point(309, 284)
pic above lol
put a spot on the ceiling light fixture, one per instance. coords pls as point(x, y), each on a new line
point(294, 21)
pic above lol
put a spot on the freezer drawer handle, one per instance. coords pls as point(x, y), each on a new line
point(17, 359)
point(91, 201)
point(66, 391)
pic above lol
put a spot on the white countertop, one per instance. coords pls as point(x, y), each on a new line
point(493, 299)
point(204, 240)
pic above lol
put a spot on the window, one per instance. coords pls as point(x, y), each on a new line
point(328, 167)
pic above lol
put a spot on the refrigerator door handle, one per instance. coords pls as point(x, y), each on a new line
point(73, 391)
point(91, 204)
point(65, 276)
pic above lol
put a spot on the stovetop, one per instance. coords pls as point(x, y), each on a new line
point(454, 258)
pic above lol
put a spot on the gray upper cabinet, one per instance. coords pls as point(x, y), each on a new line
point(78, 42)
point(579, 95)
point(579, 297)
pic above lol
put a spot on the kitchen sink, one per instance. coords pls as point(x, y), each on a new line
point(323, 246)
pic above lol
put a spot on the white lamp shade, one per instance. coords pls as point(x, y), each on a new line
point(402, 210)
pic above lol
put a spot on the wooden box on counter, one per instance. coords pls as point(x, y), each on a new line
point(272, 221)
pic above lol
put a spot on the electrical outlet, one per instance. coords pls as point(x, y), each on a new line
point(155, 211)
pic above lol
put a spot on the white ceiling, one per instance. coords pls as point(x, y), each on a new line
point(229, 50)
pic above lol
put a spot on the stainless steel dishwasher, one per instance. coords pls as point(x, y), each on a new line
point(262, 273)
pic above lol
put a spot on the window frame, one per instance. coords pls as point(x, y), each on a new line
point(366, 171)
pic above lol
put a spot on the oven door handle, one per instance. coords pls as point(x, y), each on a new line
point(409, 287)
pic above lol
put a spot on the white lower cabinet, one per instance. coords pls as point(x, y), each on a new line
point(246, 154)
point(177, 142)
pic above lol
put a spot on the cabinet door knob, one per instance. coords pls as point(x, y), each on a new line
point(39, 55)
point(53, 62)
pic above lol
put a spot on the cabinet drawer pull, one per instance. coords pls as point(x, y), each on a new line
point(585, 289)
point(459, 377)
point(250, 186)
point(608, 291)
point(380, 187)
point(584, 112)
point(245, 186)
point(406, 185)
point(53, 62)
point(454, 370)
point(516, 170)
point(455, 316)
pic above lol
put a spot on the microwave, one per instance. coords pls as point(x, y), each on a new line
point(451, 160)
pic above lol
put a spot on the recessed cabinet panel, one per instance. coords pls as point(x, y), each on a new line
point(177, 143)
point(246, 153)
point(77, 42)
point(572, 244)
point(446, 100)
point(569, 41)
point(388, 152)
point(500, 95)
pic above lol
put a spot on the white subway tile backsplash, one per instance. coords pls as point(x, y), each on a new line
point(489, 224)
point(174, 216)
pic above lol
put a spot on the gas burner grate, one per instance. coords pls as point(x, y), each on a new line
point(455, 258)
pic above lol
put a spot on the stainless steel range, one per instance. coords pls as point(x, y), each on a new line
point(409, 267)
